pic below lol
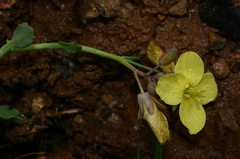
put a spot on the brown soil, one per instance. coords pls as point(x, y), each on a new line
point(84, 106)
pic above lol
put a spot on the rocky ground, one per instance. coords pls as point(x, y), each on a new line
point(84, 106)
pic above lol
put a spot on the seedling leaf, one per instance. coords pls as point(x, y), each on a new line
point(23, 36)
point(12, 114)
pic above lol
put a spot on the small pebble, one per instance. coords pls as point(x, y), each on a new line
point(216, 42)
point(220, 69)
point(7, 4)
point(179, 9)
point(114, 118)
point(161, 17)
point(78, 119)
point(37, 105)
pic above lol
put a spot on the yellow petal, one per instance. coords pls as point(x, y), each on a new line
point(158, 123)
point(154, 51)
point(191, 66)
point(209, 86)
point(192, 115)
point(171, 88)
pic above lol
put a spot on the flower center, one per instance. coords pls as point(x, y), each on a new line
point(194, 93)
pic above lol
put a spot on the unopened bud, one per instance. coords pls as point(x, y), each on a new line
point(154, 52)
point(156, 77)
point(144, 100)
point(168, 57)
point(151, 88)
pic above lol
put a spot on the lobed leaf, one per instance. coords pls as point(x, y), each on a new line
point(12, 114)
point(23, 36)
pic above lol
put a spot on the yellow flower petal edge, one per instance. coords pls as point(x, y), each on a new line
point(191, 66)
point(171, 88)
point(209, 88)
point(192, 115)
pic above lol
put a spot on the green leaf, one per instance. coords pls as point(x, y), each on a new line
point(23, 36)
point(69, 47)
point(12, 114)
point(132, 58)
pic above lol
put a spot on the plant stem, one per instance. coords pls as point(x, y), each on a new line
point(42, 46)
point(113, 57)
point(140, 65)
point(138, 82)
point(54, 46)
point(154, 69)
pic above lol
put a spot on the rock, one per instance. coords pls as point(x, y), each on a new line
point(78, 119)
point(223, 15)
point(90, 9)
point(161, 17)
point(37, 105)
point(220, 69)
point(179, 9)
point(5, 4)
point(216, 42)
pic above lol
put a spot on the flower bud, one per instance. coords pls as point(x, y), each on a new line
point(156, 119)
point(144, 100)
point(151, 88)
point(154, 52)
point(168, 57)
point(155, 77)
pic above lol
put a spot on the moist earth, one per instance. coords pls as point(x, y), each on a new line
point(84, 106)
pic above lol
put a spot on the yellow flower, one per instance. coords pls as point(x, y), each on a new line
point(190, 87)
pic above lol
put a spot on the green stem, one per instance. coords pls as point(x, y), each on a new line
point(72, 48)
point(113, 57)
point(154, 69)
point(140, 65)
point(138, 82)
point(107, 55)
point(44, 46)
point(121, 60)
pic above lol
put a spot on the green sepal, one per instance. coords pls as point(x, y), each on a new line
point(12, 114)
